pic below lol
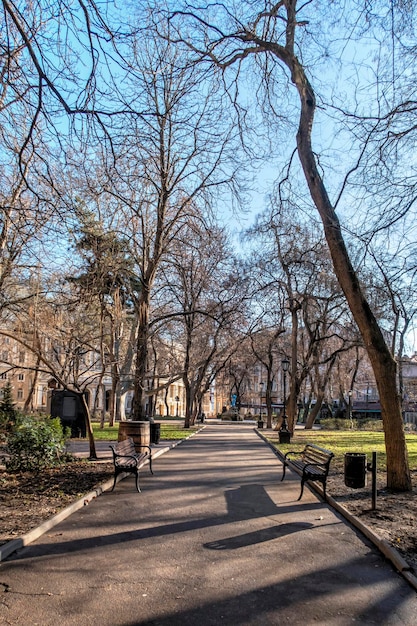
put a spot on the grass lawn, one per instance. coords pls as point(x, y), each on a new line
point(338, 441)
point(169, 432)
point(342, 441)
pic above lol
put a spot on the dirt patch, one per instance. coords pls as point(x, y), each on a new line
point(28, 499)
point(395, 515)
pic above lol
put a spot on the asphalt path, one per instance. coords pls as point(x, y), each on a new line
point(214, 538)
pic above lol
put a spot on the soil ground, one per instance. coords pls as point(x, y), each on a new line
point(394, 517)
point(28, 499)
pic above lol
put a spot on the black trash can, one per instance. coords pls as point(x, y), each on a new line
point(355, 470)
point(284, 436)
point(260, 423)
point(155, 432)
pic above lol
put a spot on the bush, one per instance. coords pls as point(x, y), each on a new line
point(372, 424)
point(335, 423)
point(35, 443)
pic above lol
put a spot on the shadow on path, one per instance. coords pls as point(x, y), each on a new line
point(258, 536)
point(244, 503)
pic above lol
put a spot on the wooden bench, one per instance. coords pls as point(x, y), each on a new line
point(313, 463)
point(126, 459)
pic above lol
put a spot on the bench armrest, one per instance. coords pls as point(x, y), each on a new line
point(148, 447)
point(299, 452)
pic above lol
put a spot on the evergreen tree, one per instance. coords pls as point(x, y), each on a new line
point(7, 408)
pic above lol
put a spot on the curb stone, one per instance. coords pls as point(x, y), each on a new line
point(390, 553)
point(16, 544)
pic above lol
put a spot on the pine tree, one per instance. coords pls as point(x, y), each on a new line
point(7, 407)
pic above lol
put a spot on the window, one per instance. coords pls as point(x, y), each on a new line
point(21, 377)
point(20, 394)
point(22, 357)
point(3, 376)
point(5, 355)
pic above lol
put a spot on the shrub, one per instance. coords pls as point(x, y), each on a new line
point(370, 424)
point(35, 443)
point(335, 423)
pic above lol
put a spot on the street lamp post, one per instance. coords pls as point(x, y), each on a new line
point(284, 433)
point(260, 421)
point(177, 399)
point(350, 392)
point(367, 401)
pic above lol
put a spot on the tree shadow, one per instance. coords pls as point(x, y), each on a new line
point(258, 536)
point(246, 502)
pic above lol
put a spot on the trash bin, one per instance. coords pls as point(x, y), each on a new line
point(355, 470)
point(260, 423)
point(284, 436)
point(155, 432)
point(139, 431)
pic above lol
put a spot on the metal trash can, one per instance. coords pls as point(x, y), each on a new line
point(260, 423)
point(155, 432)
point(355, 470)
point(284, 436)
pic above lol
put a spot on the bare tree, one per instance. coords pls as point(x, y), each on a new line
point(208, 289)
point(171, 156)
point(61, 334)
point(294, 264)
point(267, 348)
point(275, 33)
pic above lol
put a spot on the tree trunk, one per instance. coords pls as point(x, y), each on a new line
point(29, 400)
point(112, 398)
point(141, 356)
point(188, 403)
point(93, 453)
point(103, 404)
point(166, 401)
point(383, 364)
point(122, 405)
point(268, 398)
point(312, 415)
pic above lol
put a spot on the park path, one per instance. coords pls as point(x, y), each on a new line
point(214, 538)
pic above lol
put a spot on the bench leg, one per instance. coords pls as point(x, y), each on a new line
point(137, 482)
point(302, 488)
point(303, 480)
point(117, 471)
point(150, 464)
point(283, 471)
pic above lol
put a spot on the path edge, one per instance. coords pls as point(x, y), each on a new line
point(16, 544)
point(389, 552)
